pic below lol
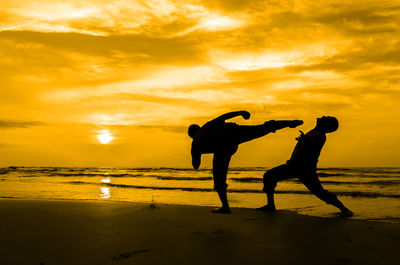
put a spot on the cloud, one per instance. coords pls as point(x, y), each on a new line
point(166, 128)
point(102, 18)
point(161, 65)
point(89, 17)
point(152, 49)
point(369, 18)
point(6, 124)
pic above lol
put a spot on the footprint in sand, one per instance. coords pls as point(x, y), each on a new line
point(128, 255)
point(218, 231)
point(153, 206)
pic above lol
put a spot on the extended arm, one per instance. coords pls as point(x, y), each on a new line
point(196, 159)
point(230, 115)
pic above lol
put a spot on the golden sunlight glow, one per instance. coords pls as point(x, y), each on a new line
point(145, 70)
point(215, 22)
point(256, 61)
point(105, 137)
point(54, 11)
point(108, 119)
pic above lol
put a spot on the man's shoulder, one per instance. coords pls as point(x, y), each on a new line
point(213, 123)
point(210, 126)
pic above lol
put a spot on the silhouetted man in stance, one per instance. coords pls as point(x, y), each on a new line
point(303, 164)
point(222, 139)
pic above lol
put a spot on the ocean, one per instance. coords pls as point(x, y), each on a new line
point(371, 193)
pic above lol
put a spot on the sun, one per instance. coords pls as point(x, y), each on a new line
point(105, 136)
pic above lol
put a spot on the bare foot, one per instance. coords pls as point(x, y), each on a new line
point(222, 210)
point(295, 123)
point(267, 208)
point(346, 213)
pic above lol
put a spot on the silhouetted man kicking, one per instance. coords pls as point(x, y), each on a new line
point(222, 139)
point(303, 164)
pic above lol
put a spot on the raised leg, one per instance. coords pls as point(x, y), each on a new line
point(245, 133)
point(280, 124)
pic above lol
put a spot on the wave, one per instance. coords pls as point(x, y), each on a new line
point(79, 182)
point(323, 174)
point(207, 169)
point(30, 176)
point(247, 180)
point(193, 189)
point(183, 178)
point(115, 175)
point(375, 175)
point(353, 180)
point(119, 175)
point(249, 169)
point(131, 176)
point(336, 170)
point(178, 169)
point(377, 182)
point(384, 170)
point(331, 182)
point(339, 176)
point(165, 169)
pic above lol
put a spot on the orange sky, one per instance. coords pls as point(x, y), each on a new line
point(145, 70)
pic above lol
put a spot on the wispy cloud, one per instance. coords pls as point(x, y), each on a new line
point(6, 124)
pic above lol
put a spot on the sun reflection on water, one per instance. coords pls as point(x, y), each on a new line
point(105, 193)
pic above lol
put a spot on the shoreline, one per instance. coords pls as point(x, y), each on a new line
point(110, 232)
point(372, 194)
point(334, 215)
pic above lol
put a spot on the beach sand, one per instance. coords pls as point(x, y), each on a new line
point(98, 232)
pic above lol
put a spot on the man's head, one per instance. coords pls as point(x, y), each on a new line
point(327, 124)
point(193, 129)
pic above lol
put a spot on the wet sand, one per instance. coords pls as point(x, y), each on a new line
point(97, 232)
